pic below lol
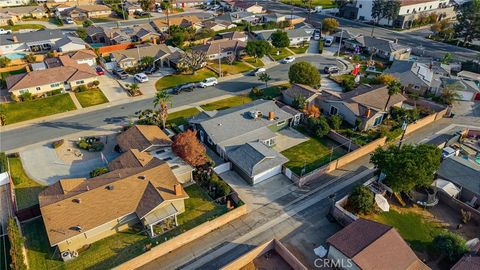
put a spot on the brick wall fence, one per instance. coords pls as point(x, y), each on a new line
point(183, 239)
point(358, 153)
point(342, 216)
point(113, 48)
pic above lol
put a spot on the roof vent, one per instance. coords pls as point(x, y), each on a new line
point(109, 187)
point(142, 177)
point(77, 228)
point(77, 200)
point(255, 114)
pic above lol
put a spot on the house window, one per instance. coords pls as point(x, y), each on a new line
point(430, 7)
point(425, 8)
point(408, 10)
point(54, 85)
point(23, 91)
point(360, 6)
point(209, 140)
point(80, 82)
point(414, 10)
point(38, 88)
point(378, 120)
point(333, 110)
point(281, 123)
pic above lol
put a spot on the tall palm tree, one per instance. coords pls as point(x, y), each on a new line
point(162, 98)
point(414, 97)
point(394, 87)
point(450, 94)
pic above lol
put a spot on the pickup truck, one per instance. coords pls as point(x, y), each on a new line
point(4, 32)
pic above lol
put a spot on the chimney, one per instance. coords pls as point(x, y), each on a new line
point(55, 53)
point(271, 116)
point(368, 113)
point(395, 41)
point(14, 39)
point(154, 41)
point(178, 189)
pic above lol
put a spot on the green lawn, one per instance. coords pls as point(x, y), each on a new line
point(21, 111)
point(174, 80)
point(254, 62)
point(91, 97)
point(236, 68)
point(226, 103)
point(299, 50)
point(414, 227)
point(180, 117)
point(283, 53)
point(314, 3)
point(23, 26)
point(272, 91)
point(26, 190)
point(312, 154)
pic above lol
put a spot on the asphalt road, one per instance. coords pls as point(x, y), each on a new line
point(94, 120)
point(413, 40)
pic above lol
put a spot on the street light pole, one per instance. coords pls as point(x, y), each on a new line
point(340, 44)
point(219, 61)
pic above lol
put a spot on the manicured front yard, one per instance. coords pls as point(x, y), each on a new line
point(273, 91)
point(235, 68)
point(312, 154)
point(254, 62)
point(177, 79)
point(91, 97)
point(314, 3)
point(26, 190)
point(226, 103)
point(21, 111)
point(299, 50)
point(279, 54)
point(180, 117)
point(23, 26)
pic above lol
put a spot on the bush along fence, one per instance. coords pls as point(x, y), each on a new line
point(356, 151)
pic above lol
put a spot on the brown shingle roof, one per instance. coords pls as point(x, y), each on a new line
point(372, 245)
point(467, 262)
point(130, 159)
point(83, 54)
point(93, 8)
point(184, 21)
point(141, 137)
point(300, 89)
point(93, 202)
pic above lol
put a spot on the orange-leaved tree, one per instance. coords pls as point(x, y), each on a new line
point(187, 146)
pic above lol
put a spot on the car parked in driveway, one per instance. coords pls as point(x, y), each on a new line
point(187, 87)
point(331, 69)
point(287, 60)
point(258, 71)
point(212, 81)
point(120, 73)
point(69, 20)
point(99, 71)
point(140, 77)
point(150, 69)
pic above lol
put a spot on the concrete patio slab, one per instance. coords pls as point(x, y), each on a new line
point(287, 138)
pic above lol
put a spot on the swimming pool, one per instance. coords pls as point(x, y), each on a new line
point(14, 56)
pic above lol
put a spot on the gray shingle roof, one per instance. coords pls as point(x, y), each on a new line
point(462, 172)
point(254, 158)
point(237, 122)
point(40, 35)
point(69, 39)
point(379, 43)
point(292, 33)
point(411, 72)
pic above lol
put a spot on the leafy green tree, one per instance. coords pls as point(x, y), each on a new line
point(3, 116)
point(264, 77)
point(87, 23)
point(330, 24)
point(257, 48)
point(176, 40)
point(335, 121)
point(391, 9)
point(82, 33)
point(394, 87)
point(378, 11)
point(450, 93)
point(147, 61)
point(204, 33)
point(299, 102)
point(147, 4)
point(304, 73)
point(162, 98)
point(4, 61)
point(409, 167)
point(468, 21)
point(280, 39)
point(361, 200)
point(451, 245)
point(318, 126)
point(30, 58)
point(98, 171)
point(447, 58)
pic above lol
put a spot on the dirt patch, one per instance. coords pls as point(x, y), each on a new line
point(452, 219)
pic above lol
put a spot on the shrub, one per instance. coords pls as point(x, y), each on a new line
point(16, 245)
point(304, 73)
point(320, 47)
point(90, 144)
point(256, 92)
point(335, 121)
point(26, 96)
point(318, 126)
point(57, 144)
point(451, 245)
point(81, 88)
point(4, 61)
point(54, 92)
point(221, 188)
point(3, 162)
point(95, 83)
point(98, 171)
point(361, 201)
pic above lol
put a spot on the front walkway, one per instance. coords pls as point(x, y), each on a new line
point(313, 47)
point(75, 100)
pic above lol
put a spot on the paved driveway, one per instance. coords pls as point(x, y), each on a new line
point(111, 88)
point(287, 138)
point(261, 194)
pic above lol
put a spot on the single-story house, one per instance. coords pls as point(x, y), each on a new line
point(414, 76)
point(236, 35)
point(132, 57)
point(296, 91)
point(84, 12)
point(132, 8)
point(238, 17)
point(221, 48)
point(217, 26)
point(106, 35)
point(7, 19)
point(141, 140)
point(187, 3)
point(162, 25)
point(78, 212)
point(367, 104)
point(13, 3)
point(36, 41)
point(247, 6)
point(383, 48)
point(84, 57)
point(70, 43)
point(25, 12)
point(467, 90)
point(296, 36)
point(68, 75)
point(369, 245)
point(228, 131)
point(277, 18)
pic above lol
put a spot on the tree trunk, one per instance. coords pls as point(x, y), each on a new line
point(386, 104)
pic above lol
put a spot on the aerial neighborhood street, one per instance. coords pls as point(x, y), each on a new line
point(207, 134)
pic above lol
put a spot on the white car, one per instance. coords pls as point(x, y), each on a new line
point(69, 20)
point(316, 36)
point(258, 71)
point(287, 60)
point(4, 32)
point(140, 77)
point(212, 81)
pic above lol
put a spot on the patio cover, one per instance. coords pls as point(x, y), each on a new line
point(382, 202)
point(447, 187)
point(4, 178)
point(158, 215)
point(38, 43)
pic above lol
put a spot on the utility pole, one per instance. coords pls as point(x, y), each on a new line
point(340, 44)
point(123, 10)
point(219, 61)
point(404, 128)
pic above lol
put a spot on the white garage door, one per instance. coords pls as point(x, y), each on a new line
point(464, 95)
point(267, 174)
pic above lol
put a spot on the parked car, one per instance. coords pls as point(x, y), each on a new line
point(316, 36)
point(212, 81)
point(328, 41)
point(258, 71)
point(288, 59)
point(69, 20)
point(99, 71)
point(120, 73)
point(331, 69)
point(4, 32)
point(150, 69)
point(140, 77)
point(372, 69)
point(187, 87)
